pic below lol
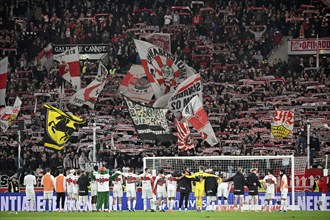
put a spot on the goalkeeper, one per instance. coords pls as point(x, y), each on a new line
point(200, 185)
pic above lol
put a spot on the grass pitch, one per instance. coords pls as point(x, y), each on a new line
point(190, 215)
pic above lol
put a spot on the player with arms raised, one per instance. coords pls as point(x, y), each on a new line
point(269, 183)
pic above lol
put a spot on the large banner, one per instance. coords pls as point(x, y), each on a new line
point(308, 46)
point(45, 57)
point(17, 201)
point(90, 51)
point(196, 115)
point(150, 123)
point(3, 80)
point(8, 114)
point(59, 127)
point(164, 71)
point(136, 86)
point(162, 40)
point(282, 123)
point(69, 67)
point(189, 88)
point(88, 96)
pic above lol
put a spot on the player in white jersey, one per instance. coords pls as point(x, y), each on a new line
point(117, 192)
point(284, 190)
point(223, 191)
point(160, 187)
point(70, 185)
point(147, 182)
point(94, 188)
point(171, 183)
point(131, 179)
point(75, 191)
point(269, 183)
point(29, 182)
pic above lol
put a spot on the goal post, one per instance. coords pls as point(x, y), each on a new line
point(229, 166)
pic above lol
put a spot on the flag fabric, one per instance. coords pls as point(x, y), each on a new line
point(69, 67)
point(189, 88)
point(282, 123)
point(185, 141)
point(162, 40)
point(196, 115)
point(164, 71)
point(88, 96)
point(59, 127)
point(3, 80)
point(46, 57)
point(135, 85)
point(9, 113)
point(150, 123)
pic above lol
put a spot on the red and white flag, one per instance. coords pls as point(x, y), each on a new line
point(135, 85)
point(88, 96)
point(9, 113)
point(69, 67)
point(185, 142)
point(185, 92)
point(3, 80)
point(196, 115)
point(164, 71)
point(46, 57)
point(162, 40)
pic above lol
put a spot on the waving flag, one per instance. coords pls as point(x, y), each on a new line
point(282, 123)
point(59, 127)
point(8, 114)
point(135, 85)
point(70, 66)
point(88, 95)
point(46, 57)
point(196, 115)
point(189, 88)
point(185, 141)
point(164, 71)
point(150, 123)
point(3, 80)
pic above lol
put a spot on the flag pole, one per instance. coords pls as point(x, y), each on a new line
point(94, 141)
point(317, 52)
point(35, 104)
point(19, 148)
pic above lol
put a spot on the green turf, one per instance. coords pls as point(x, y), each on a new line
point(190, 215)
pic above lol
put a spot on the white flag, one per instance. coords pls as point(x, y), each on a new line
point(196, 115)
point(9, 113)
point(88, 95)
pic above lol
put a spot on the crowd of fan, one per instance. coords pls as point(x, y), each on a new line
point(227, 43)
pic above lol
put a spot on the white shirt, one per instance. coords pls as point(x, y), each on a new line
point(270, 182)
point(118, 182)
point(160, 182)
point(30, 181)
point(171, 182)
point(70, 182)
point(146, 179)
point(131, 179)
point(93, 182)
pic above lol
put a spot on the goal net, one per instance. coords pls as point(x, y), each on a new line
point(228, 165)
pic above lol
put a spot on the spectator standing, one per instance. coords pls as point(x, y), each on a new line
point(29, 182)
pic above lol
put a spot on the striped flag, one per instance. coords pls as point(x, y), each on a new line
point(3, 80)
point(185, 141)
point(9, 114)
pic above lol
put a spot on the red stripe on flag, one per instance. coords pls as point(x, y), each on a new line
point(188, 85)
point(3, 80)
point(159, 61)
point(169, 62)
point(74, 69)
point(127, 79)
point(145, 65)
point(199, 120)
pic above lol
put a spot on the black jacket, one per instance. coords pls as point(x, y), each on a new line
point(239, 182)
point(83, 183)
point(211, 186)
point(184, 185)
point(252, 182)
